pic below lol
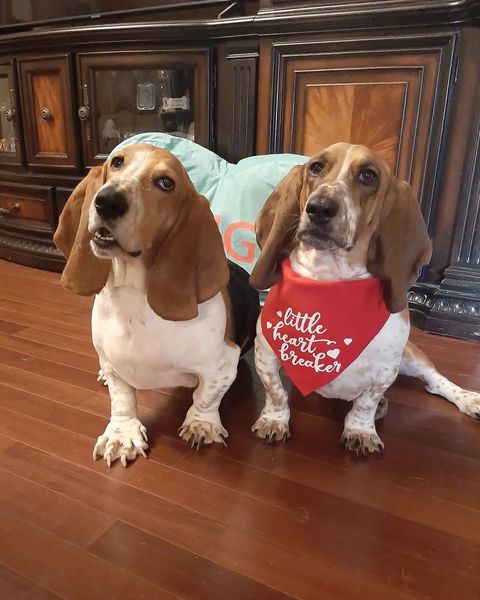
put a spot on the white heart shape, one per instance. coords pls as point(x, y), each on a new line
point(347, 341)
point(333, 353)
point(279, 313)
point(269, 325)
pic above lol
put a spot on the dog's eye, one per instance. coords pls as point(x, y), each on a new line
point(368, 176)
point(316, 168)
point(165, 183)
point(117, 162)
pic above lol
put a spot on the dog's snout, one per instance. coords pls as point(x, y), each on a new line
point(110, 204)
point(321, 209)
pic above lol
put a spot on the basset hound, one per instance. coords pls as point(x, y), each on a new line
point(344, 217)
point(169, 309)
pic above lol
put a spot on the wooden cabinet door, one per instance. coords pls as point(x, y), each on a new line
point(389, 95)
point(125, 93)
point(47, 106)
point(10, 151)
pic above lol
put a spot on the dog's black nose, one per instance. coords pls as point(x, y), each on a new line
point(321, 209)
point(110, 204)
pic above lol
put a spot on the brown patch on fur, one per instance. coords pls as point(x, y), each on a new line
point(84, 273)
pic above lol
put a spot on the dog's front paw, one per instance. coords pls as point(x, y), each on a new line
point(199, 432)
point(271, 430)
point(469, 403)
point(358, 440)
point(123, 439)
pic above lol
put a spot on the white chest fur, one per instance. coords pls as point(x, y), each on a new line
point(145, 350)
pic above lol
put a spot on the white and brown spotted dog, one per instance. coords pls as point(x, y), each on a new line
point(168, 312)
point(345, 216)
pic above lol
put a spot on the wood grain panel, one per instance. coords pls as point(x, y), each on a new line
point(46, 82)
point(389, 94)
point(48, 93)
point(376, 107)
point(369, 114)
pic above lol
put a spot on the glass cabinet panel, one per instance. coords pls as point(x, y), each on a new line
point(126, 95)
point(9, 145)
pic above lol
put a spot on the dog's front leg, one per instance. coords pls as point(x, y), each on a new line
point(273, 423)
point(202, 424)
point(125, 437)
point(359, 433)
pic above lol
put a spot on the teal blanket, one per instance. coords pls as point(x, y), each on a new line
point(236, 192)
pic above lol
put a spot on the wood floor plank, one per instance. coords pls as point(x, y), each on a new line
point(42, 300)
point(50, 511)
point(52, 370)
point(103, 490)
point(43, 386)
point(302, 537)
point(60, 567)
point(164, 564)
point(13, 585)
point(81, 332)
point(6, 327)
point(57, 340)
point(50, 353)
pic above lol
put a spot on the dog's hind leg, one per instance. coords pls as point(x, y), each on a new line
point(273, 423)
point(417, 364)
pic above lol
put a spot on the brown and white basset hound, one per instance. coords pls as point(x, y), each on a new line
point(169, 310)
point(344, 216)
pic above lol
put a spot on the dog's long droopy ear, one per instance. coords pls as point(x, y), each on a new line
point(400, 246)
point(84, 273)
point(190, 266)
point(276, 226)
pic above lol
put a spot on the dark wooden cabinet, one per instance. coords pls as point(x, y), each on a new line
point(10, 150)
point(389, 94)
point(46, 84)
point(125, 93)
point(400, 76)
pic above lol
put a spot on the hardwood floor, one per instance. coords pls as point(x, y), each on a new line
point(303, 520)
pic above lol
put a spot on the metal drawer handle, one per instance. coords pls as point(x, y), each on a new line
point(9, 212)
point(10, 114)
point(45, 113)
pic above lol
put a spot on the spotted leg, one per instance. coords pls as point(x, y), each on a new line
point(417, 364)
point(273, 423)
point(124, 437)
point(202, 424)
point(359, 433)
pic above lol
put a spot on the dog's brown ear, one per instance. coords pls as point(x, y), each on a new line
point(84, 273)
point(189, 266)
point(400, 246)
point(276, 226)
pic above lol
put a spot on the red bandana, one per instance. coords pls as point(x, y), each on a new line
point(318, 328)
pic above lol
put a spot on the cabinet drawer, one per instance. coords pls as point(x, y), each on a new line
point(26, 207)
point(46, 93)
